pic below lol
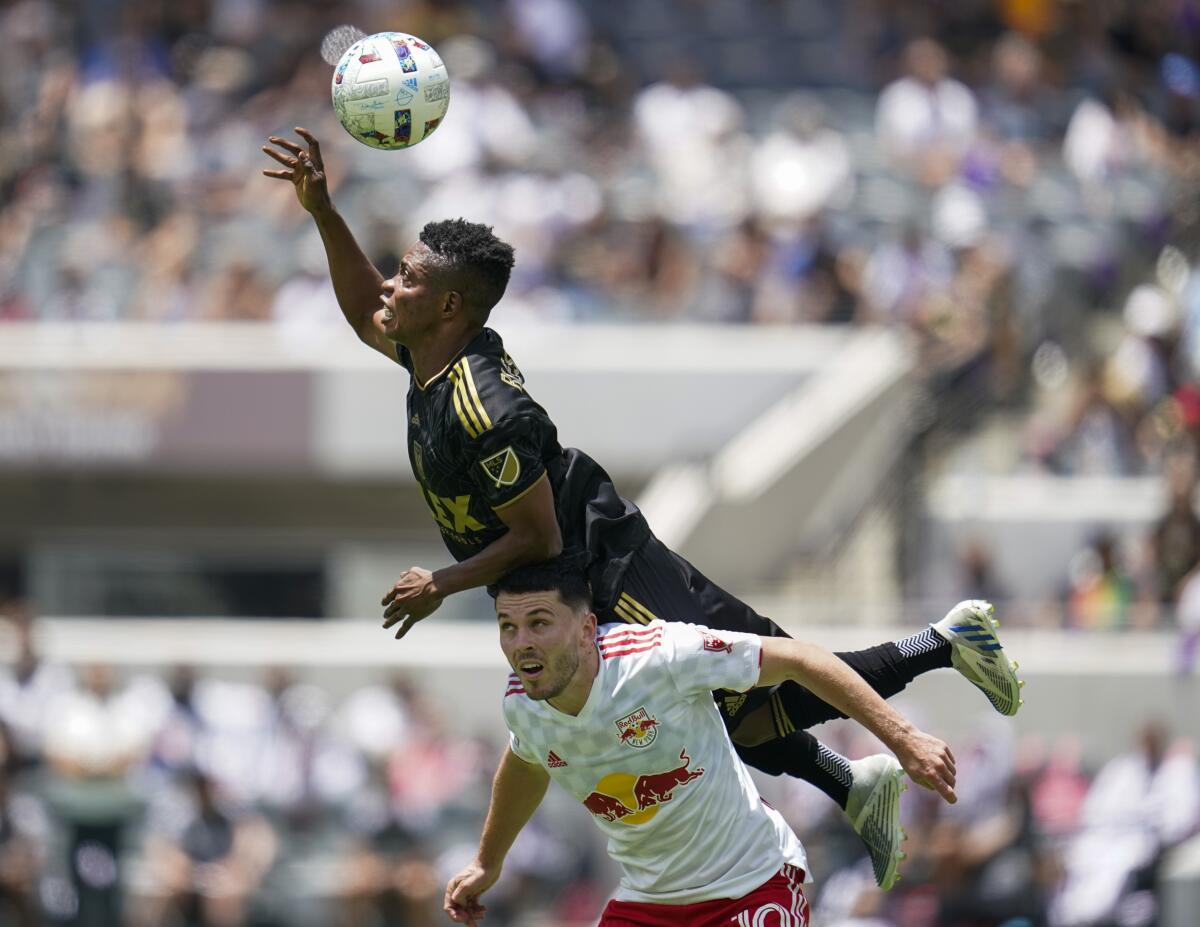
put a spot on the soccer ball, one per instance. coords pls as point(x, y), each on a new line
point(390, 90)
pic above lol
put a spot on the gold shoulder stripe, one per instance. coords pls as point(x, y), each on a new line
point(637, 606)
point(629, 616)
point(473, 394)
point(460, 406)
point(783, 724)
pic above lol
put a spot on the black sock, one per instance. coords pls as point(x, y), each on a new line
point(921, 652)
point(803, 756)
point(886, 668)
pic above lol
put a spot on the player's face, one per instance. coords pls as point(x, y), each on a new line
point(411, 301)
point(544, 640)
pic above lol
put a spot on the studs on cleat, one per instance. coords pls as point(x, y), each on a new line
point(901, 857)
point(1020, 683)
point(1020, 702)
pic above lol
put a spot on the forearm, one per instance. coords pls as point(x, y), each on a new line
point(357, 283)
point(517, 791)
point(509, 551)
point(833, 681)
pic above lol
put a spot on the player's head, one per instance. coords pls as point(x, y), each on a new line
point(547, 626)
point(452, 276)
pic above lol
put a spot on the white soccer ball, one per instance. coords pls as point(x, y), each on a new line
point(390, 90)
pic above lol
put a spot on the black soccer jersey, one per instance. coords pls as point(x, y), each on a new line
point(478, 442)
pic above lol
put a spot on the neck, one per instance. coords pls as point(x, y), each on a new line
point(431, 357)
point(572, 699)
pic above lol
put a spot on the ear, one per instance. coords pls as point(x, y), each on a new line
point(589, 626)
point(452, 303)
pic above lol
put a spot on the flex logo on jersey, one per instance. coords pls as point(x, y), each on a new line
point(638, 729)
point(503, 468)
point(453, 514)
point(636, 799)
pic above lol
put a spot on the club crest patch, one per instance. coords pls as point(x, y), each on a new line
point(418, 462)
point(715, 644)
point(503, 468)
point(638, 729)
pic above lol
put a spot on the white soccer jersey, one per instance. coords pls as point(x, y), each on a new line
point(650, 759)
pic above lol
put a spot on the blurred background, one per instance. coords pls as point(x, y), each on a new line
point(871, 304)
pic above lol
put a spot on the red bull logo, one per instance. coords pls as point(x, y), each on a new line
point(638, 729)
point(635, 800)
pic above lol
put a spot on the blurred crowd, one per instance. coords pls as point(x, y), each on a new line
point(180, 798)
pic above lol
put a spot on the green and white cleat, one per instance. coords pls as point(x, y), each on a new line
point(874, 811)
point(970, 628)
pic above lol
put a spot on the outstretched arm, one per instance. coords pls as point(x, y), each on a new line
point(356, 281)
point(927, 760)
point(517, 791)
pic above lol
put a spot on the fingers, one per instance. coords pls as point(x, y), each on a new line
point(395, 611)
point(281, 158)
point(314, 147)
point(282, 175)
point(286, 143)
point(407, 626)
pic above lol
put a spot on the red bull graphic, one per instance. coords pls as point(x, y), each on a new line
point(622, 797)
point(660, 787)
point(716, 645)
point(638, 729)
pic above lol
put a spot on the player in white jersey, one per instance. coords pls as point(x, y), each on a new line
point(623, 719)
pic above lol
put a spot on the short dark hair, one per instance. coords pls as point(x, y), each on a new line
point(479, 263)
point(559, 575)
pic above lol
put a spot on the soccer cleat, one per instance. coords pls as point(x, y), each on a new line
point(970, 629)
point(874, 811)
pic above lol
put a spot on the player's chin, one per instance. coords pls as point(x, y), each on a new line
point(388, 328)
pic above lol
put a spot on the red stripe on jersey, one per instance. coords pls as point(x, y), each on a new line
point(609, 654)
point(520, 691)
point(621, 649)
point(626, 631)
point(620, 639)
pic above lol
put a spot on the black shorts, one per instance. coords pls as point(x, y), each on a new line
point(658, 583)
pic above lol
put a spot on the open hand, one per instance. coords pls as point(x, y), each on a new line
point(929, 762)
point(305, 168)
point(412, 598)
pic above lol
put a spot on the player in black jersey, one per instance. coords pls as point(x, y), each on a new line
point(504, 493)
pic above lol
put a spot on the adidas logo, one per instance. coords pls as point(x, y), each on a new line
point(733, 704)
point(554, 761)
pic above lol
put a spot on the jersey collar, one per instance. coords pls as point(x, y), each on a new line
point(454, 360)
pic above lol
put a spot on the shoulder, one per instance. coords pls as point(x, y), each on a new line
point(623, 640)
point(488, 388)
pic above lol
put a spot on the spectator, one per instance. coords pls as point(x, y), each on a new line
point(1101, 592)
point(926, 120)
point(95, 737)
point(1140, 805)
point(27, 689)
point(206, 873)
point(1175, 538)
